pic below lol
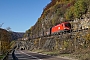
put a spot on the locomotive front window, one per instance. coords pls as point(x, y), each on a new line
point(68, 25)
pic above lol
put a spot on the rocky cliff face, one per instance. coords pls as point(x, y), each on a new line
point(82, 23)
point(58, 11)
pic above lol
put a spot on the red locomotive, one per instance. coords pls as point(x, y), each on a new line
point(65, 26)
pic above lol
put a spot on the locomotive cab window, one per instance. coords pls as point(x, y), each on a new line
point(62, 24)
point(68, 25)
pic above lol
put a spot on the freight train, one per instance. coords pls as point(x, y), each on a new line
point(60, 28)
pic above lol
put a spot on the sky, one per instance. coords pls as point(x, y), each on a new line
point(20, 15)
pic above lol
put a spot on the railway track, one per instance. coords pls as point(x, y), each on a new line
point(63, 33)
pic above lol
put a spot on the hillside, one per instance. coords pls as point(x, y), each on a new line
point(16, 35)
point(5, 39)
point(58, 11)
point(76, 43)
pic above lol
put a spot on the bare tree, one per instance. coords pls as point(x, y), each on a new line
point(1, 25)
point(8, 29)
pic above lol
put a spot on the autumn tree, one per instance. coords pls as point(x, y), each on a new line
point(5, 40)
point(80, 8)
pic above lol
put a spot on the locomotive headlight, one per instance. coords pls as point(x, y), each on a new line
point(58, 27)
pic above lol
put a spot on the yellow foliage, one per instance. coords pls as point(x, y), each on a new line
point(36, 42)
point(87, 37)
point(5, 40)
